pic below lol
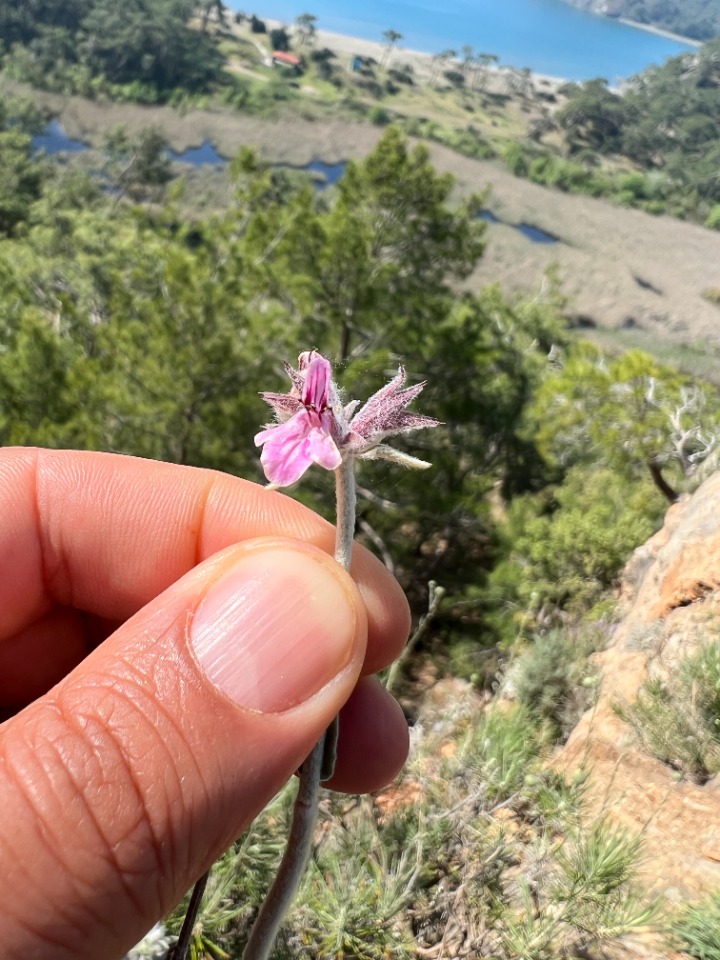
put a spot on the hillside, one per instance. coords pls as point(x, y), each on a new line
point(699, 19)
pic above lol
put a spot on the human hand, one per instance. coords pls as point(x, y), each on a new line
point(200, 638)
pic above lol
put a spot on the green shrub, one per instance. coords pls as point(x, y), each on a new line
point(444, 855)
point(698, 929)
point(379, 116)
point(656, 207)
point(634, 183)
point(678, 719)
point(713, 218)
point(553, 677)
point(515, 160)
point(561, 550)
point(279, 39)
point(500, 750)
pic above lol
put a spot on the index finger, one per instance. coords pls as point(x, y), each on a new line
point(105, 533)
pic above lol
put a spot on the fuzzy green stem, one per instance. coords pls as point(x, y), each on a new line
point(319, 765)
point(346, 499)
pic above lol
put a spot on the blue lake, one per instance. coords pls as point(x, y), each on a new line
point(329, 173)
point(201, 156)
point(54, 140)
point(528, 230)
point(549, 36)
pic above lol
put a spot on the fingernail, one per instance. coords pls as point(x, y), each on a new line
point(274, 629)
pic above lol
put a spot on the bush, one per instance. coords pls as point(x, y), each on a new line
point(553, 676)
point(712, 295)
point(454, 77)
point(516, 160)
point(279, 40)
point(379, 116)
point(257, 25)
point(322, 56)
point(325, 70)
point(634, 183)
point(678, 719)
point(565, 547)
point(441, 857)
point(402, 76)
point(699, 929)
point(713, 218)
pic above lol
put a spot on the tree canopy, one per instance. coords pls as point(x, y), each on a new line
point(148, 44)
point(127, 326)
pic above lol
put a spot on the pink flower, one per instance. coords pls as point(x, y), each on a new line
point(314, 427)
point(291, 446)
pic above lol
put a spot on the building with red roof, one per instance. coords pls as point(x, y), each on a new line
point(288, 60)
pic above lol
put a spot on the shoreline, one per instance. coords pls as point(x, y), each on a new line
point(659, 31)
point(346, 45)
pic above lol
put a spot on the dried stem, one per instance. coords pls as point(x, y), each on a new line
point(181, 947)
point(435, 595)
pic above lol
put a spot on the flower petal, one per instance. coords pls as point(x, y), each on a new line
point(323, 450)
point(286, 450)
point(317, 383)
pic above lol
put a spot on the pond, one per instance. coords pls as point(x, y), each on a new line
point(54, 140)
point(204, 155)
point(529, 230)
point(535, 233)
point(329, 173)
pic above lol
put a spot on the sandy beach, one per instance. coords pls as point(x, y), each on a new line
point(347, 47)
point(659, 32)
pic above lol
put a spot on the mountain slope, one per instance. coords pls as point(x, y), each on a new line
point(699, 19)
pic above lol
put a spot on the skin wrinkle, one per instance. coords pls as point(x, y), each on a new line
point(163, 825)
point(127, 878)
point(99, 731)
point(45, 937)
point(105, 849)
point(44, 823)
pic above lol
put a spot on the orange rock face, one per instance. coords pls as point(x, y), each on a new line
point(671, 597)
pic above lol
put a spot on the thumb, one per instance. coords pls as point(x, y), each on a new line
point(122, 785)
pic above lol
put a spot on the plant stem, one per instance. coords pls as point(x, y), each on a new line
point(292, 866)
point(346, 498)
point(435, 595)
point(318, 766)
point(181, 947)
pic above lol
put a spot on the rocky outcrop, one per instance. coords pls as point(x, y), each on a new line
point(671, 598)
